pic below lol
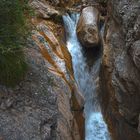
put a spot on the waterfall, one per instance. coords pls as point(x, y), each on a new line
point(87, 81)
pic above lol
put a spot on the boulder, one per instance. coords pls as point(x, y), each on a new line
point(87, 27)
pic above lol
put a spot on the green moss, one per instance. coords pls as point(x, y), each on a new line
point(12, 68)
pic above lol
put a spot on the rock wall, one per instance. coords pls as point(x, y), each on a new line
point(41, 106)
point(71, 123)
point(120, 72)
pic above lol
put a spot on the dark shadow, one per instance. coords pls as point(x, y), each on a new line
point(91, 55)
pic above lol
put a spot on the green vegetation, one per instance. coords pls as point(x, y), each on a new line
point(12, 68)
point(14, 29)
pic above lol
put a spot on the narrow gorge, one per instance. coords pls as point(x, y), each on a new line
point(83, 79)
point(87, 84)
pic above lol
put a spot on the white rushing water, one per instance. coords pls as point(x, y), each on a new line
point(95, 127)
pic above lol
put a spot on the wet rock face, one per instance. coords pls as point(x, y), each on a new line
point(56, 53)
point(120, 96)
point(87, 28)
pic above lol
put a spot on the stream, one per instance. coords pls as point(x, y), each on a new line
point(86, 66)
